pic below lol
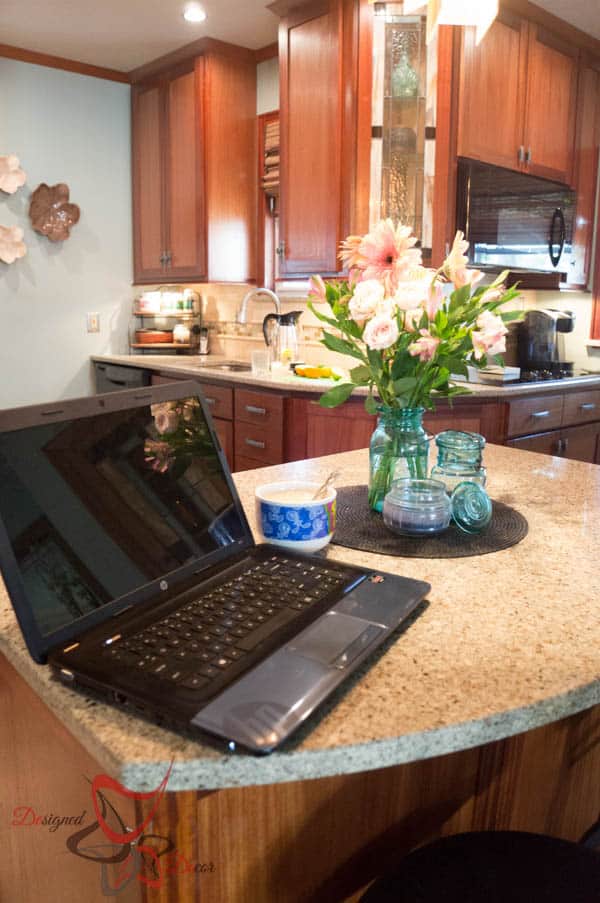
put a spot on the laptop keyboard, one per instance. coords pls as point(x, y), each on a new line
point(213, 635)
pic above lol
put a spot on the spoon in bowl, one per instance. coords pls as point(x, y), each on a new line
point(322, 490)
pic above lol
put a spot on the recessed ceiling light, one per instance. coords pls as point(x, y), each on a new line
point(194, 13)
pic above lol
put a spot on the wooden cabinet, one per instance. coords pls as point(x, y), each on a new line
point(323, 133)
point(194, 169)
point(518, 98)
point(578, 443)
point(493, 132)
point(551, 103)
point(588, 145)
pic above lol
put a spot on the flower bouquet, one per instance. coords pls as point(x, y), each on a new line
point(410, 329)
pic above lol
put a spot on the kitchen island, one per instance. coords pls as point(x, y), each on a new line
point(484, 713)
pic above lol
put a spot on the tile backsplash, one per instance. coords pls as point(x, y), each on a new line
point(220, 303)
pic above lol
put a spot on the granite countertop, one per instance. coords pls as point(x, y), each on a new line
point(194, 367)
point(508, 642)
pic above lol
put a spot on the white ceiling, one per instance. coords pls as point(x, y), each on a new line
point(583, 14)
point(124, 34)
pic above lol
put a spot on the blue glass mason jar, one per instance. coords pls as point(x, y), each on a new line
point(460, 459)
point(399, 449)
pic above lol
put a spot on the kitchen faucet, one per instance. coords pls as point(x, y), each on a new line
point(241, 316)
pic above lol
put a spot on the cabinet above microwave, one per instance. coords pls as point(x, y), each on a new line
point(516, 222)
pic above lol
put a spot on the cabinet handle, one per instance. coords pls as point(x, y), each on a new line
point(281, 249)
point(565, 446)
point(539, 414)
point(255, 443)
point(252, 409)
point(163, 258)
point(521, 154)
point(210, 400)
point(528, 156)
point(559, 446)
point(168, 256)
point(588, 406)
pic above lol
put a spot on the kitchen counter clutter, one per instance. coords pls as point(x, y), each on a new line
point(507, 642)
point(208, 367)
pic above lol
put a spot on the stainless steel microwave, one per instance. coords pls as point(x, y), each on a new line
point(515, 222)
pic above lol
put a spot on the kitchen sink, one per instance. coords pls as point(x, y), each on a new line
point(231, 366)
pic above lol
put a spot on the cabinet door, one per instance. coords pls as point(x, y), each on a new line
point(148, 183)
point(224, 430)
point(184, 228)
point(588, 141)
point(581, 443)
point(492, 89)
point(551, 105)
point(333, 430)
point(311, 146)
point(545, 443)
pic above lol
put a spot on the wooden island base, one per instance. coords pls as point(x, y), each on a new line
point(320, 841)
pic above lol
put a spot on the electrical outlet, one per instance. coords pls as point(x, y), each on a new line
point(93, 322)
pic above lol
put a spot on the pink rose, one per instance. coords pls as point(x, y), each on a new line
point(317, 291)
point(412, 294)
point(412, 318)
point(425, 347)
point(380, 332)
point(490, 338)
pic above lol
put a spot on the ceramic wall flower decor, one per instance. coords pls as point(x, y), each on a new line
point(12, 245)
point(12, 176)
point(50, 212)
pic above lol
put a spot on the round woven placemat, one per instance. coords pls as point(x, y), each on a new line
point(358, 527)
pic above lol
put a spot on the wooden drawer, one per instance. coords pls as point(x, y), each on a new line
point(263, 444)
point(545, 443)
point(258, 407)
point(581, 407)
point(224, 430)
point(243, 463)
point(219, 400)
point(532, 415)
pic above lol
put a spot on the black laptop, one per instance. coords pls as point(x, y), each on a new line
point(133, 572)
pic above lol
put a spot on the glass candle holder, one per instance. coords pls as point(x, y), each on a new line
point(417, 507)
point(460, 457)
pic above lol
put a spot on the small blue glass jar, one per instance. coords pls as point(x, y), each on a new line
point(417, 507)
point(460, 456)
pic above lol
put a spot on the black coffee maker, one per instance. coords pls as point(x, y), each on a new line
point(541, 343)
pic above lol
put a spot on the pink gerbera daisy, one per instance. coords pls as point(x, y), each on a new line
point(386, 254)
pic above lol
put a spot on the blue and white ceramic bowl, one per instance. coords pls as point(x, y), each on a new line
point(305, 526)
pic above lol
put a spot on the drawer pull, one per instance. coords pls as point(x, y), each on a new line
point(210, 400)
point(255, 443)
point(588, 406)
point(540, 414)
point(252, 409)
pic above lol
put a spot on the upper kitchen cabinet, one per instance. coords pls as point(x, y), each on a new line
point(518, 98)
point(491, 91)
point(325, 60)
point(551, 106)
point(194, 170)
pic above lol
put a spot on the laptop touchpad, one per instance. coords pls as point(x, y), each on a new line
point(335, 640)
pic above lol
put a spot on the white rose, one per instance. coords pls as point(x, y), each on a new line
point(381, 332)
point(411, 295)
point(365, 300)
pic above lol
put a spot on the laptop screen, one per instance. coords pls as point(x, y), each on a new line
point(99, 506)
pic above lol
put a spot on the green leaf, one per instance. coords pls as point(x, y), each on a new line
point(337, 395)
point(406, 384)
point(323, 317)
point(370, 405)
point(340, 345)
point(509, 315)
point(375, 360)
point(360, 375)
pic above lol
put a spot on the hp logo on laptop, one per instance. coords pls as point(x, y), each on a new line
point(163, 585)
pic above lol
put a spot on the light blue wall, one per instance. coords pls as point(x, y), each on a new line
point(75, 129)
